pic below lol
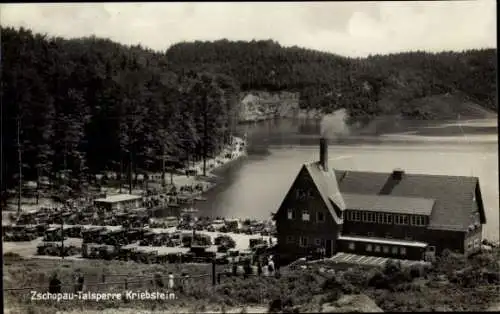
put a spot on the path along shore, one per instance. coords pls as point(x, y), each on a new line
point(229, 154)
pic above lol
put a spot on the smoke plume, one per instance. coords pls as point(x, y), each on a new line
point(335, 124)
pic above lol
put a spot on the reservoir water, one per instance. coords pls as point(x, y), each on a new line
point(255, 186)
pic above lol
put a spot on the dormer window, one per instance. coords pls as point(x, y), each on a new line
point(291, 214)
point(305, 215)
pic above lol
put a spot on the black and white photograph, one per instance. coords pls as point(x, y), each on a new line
point(249, 157)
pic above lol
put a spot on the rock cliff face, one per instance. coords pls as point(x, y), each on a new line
point(262, 105)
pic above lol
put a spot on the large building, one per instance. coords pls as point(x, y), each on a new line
point(398, 214)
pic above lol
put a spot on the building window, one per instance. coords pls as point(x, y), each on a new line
point(413, 220)
point(291, 214)
point(363, 218)
point(476, 243)
point(317, 241)
point(385, 249)
point(389, 218)
point(298, 194)
point(369, 217)
point(402, 251)
point(289, 239)
point(305, 215)
point(352, 246)
point(303, 241)
point(422, 220)
point(320, 216)
point(369, 248)
point(377, 248)
point(380, 218)
point(394, 250)
point(401, 219)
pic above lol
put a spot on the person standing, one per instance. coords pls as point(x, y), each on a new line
point(259, 268)
point(271, 266)
point(265, 269)
point(75, 280)
point(54, 284)
point(170, 281)
point(80, 282)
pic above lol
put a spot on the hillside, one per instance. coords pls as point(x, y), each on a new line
point(453, 283)
point(368, 87)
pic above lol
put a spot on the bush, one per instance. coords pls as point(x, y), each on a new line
point(332, 296)
point(357, 277)
point(332, 283)
point(416, 271)
point(392, 267)
point(348, 288)
point(11, 256)
point(379, 281)
point(275, 306)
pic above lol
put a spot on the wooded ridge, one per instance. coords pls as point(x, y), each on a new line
point(90, 104)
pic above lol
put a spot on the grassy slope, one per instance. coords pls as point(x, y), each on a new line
point(306, 288)
point(438, 108)
point(449, 106)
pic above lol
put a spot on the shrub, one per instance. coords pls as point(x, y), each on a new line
point(332, 296)
point(11, 257)
point(416, 271)
point(348, 288)
point(391, 267)
point(379, 281)
point(275, 306)
point(357, 277)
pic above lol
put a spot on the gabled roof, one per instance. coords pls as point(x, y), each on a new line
point(326, 182)
point(389, 204)
point(453, 195)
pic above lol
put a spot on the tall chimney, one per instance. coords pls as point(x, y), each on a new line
point(323, 153)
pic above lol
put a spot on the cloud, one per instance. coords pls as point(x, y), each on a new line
point(354, 29)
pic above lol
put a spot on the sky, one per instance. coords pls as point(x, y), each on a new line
point(354, 29)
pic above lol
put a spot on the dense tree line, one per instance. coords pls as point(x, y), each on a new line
point(381, 84)
point(88, 105)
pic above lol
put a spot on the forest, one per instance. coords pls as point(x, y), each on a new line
point(89, 104)
point(367, 87)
